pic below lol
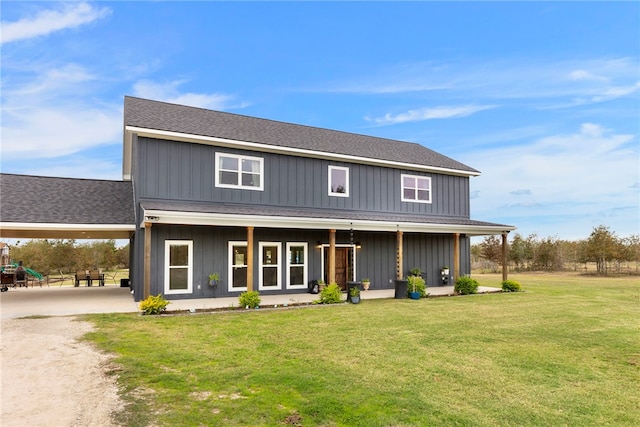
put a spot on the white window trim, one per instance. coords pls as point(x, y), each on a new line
point(277, 266)
point(167, 267)
point(305, 265)
point(240, 158)
point(230, 287)
point(346, 193)
point(427, 178)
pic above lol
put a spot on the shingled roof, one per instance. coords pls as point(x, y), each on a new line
point(67, 203)
point(162, 116)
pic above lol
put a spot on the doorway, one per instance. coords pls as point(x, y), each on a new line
point(345, 264)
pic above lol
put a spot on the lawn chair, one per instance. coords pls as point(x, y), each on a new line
point(96, 275)
point(81, 275)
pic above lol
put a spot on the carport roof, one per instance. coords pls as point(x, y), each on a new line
point(52, 207)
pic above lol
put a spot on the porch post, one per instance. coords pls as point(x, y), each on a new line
point(399, 260)
point(250, 258)
point(146, 291)
point(456, 256)
point(332, 256)
point(505, 251)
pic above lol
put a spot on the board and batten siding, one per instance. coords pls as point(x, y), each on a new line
point(375, 259)
point(186, 171)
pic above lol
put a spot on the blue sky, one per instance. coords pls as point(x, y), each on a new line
point(543, 98)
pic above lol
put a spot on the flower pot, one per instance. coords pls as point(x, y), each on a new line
point(365, 285)
point(355, 300)
point(213, 282)
point(414, 295)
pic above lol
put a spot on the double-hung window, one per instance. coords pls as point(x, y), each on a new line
point(238, 266)
point(269, 265)
point(296, 265)
point(338, 181)
point(178, 262)
point(243, 172)
point(416, 188)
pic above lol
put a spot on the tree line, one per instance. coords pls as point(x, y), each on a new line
point(50, 257)
point(603, 249)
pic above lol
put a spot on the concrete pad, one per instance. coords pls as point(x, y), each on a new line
point(64, 301)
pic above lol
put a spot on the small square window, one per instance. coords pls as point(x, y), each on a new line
point(338, 181)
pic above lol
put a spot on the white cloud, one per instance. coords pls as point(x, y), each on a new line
point(48, 21)
point(551, 84)
point(442, 112)
point(169, 92)
point(576, 176)
point(46, 131)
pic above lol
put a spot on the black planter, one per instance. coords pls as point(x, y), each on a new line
point(401, 289)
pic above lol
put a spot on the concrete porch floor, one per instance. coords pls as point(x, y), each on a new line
point(64, 301)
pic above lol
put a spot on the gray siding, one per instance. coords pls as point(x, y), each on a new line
point(185, 171)
point(375, 259)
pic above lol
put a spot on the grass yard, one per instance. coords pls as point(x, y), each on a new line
point(564, 352)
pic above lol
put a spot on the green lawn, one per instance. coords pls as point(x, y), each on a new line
point(564, 352)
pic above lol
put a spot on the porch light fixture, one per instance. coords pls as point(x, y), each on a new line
point(358, 245)
point(319, 244)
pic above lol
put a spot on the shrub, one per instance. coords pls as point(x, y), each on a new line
point(250, 299)
point(466, 286)
point(510, 286)
point(330, 295)
point(417, 283)
point(153, 304)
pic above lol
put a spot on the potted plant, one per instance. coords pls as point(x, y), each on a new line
point(416, 272)
point(321, 285)
point(417, 286)
point(366, 283)
point(214, 278)
point(354, 295)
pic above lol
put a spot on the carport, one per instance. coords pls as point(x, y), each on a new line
point(36, 207)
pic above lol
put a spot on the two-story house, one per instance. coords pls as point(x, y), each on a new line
point(271, 206)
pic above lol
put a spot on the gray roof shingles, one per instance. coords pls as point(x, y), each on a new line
point(163, 116)
point(37, 199)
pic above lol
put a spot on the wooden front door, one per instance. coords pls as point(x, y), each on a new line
point(342, 266)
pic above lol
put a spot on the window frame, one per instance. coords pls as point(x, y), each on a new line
point(304, 265)
point(167, 266)
point(240, 158)
point(333, 193)
point(415, 178)
point(231, 265)
point(277, 266)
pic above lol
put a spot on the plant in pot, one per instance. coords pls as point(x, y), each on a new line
point(321, 285)
point(366, 283)
point(354, 295)
point(416, 272)
point(417, 287)
point(214, 278)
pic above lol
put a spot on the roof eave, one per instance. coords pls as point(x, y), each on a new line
point(155, 216)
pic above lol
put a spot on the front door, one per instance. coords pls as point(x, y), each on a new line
point(344, 265)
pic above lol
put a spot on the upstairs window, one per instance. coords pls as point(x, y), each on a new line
point(338, 181)
point(416, 189)
point(244, 172)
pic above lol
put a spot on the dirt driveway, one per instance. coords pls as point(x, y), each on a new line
point(49, 378)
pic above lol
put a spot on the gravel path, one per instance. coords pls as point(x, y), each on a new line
point(49, 378)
